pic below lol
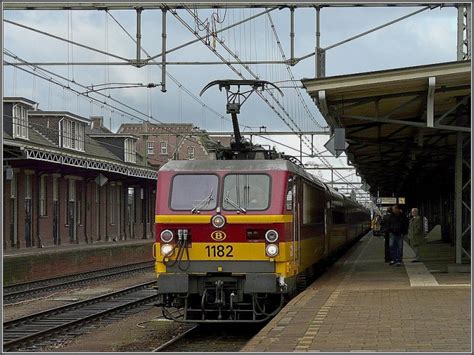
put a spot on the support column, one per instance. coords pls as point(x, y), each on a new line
point(139, 34)
point(163, 50)
point(301, 148)
point(320, 53)
point(464, 32)
point(292, 36)
point(458, 197)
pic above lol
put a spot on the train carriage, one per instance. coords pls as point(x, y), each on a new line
point(235, 238)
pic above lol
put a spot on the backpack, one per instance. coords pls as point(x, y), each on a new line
point(425, 225)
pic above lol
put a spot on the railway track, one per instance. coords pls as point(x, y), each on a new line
point(26, 290)
point(211, 338)
point(176, 339)
point(25, 332)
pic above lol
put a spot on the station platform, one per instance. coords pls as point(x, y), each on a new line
point(24, 265)
point(363, 304)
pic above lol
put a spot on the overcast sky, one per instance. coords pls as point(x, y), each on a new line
point(428, 37)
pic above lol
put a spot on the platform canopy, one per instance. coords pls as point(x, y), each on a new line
point(401, 125)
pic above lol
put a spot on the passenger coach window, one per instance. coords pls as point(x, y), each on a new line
point(194, 192)
point(246, 191)
point(313, 204)
point(338, 217)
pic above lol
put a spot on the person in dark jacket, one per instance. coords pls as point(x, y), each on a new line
point(384, 230)
point(416, 234)
point(397, 227)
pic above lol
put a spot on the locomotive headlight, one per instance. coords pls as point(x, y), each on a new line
point(271, 250)
point(166, 236)
point(271, 236)
point(218, 221)
point(167, 250)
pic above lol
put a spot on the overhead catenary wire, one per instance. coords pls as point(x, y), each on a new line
point(65, 40)
point(287, 100)
point(91, 99)
point(238, 72)
point(272, 25)
point(38, 128)
point(169, 75)
point(52, 81)
point(175, 14)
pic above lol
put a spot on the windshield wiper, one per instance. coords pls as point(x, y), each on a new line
point(232, 203)
point(203, 202)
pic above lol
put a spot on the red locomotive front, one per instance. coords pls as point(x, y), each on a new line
point(224, 238)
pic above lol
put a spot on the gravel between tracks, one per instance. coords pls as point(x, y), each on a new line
point(138, 332)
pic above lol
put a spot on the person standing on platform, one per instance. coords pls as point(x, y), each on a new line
point(397, 227)
point(386, 234)
point(416, 233)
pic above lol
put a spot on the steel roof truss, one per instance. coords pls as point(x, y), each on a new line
point(87, 163)
point(408, 123)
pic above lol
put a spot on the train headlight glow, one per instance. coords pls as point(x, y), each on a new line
point(167, 250)
point(271, 236)
point(166, 236)
point(218, 221)
point(272, 250)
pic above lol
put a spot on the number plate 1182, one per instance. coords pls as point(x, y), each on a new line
point(219, 251)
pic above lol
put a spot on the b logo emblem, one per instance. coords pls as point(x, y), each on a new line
point(218, 236)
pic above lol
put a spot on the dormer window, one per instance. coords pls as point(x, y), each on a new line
point(130, 155)
point(72, 134)
point(20, 122)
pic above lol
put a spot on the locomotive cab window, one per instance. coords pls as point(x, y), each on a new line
point(189, 192)
point(246, 191)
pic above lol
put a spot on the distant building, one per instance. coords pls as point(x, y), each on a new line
point(68, 179)
point(178, 141)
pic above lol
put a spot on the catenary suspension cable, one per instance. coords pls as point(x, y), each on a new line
point(307, 143)
point(9, 53)
point(176, 81)
point(52, 81)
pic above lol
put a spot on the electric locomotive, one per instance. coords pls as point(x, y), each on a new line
point(239, 235)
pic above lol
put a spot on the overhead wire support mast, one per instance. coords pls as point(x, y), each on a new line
point(163, 49)
point(292, 36)
point(139, 35)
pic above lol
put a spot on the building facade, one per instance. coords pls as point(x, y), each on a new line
point(67, 179)
point(160, 143)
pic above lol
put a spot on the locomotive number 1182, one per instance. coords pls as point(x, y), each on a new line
point(219, 251)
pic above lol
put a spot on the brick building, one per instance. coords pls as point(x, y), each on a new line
point(178, 141)
point(67, 179)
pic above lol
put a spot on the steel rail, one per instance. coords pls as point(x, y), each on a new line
point(21, 290)
point(175, 339)
point(20, 332)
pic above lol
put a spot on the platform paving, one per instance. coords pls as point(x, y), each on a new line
point(363, 304)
